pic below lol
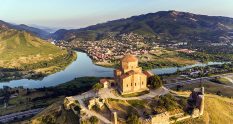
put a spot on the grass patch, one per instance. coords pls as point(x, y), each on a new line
point(144, 108)
point(136, 94)
point(137, 103)
point(210, 87)
point(222, 80)
point(55, 114)
point(218, 110)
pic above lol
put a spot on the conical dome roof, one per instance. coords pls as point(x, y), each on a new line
point(129, 58)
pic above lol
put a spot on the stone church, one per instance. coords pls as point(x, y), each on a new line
point(129, 77)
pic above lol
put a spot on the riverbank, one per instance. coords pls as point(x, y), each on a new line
point(159, 58)
point(83, 66)
point(40, 69)
point(163, 58)
point(148, 65)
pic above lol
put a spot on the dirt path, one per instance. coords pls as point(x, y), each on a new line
point(108, 93)
point(229, 79)
point(90, 113)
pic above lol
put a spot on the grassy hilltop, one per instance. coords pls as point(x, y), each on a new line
point(17, 48)
point(22, 51)
point(218, 110)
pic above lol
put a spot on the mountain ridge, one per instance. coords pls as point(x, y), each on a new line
point(175, 25)
point(36, 31)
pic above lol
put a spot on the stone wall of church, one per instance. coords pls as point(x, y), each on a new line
point(134, 83)
point(129, 77)
point(126, 84)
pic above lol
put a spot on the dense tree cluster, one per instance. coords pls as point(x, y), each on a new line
point(133, 118)
point(155, 82)
point(207, 70)
point(94, 120)
point(73, 87)
point(168, 102)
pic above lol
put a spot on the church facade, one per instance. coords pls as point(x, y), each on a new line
point(129, 77)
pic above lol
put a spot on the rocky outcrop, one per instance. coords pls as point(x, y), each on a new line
point(196, 102)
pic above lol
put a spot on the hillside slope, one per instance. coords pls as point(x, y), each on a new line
point(160, 26)
point(22, 51)
point(55, 114)
point(18, 47)
point(218, 110)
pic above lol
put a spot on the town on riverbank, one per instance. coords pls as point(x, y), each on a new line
point(108, 51)
point(116, 62)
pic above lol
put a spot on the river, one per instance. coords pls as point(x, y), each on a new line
point(83, 67)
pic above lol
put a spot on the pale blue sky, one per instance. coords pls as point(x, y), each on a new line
point(82, 13)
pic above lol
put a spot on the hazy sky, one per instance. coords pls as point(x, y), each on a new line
point(82, 13)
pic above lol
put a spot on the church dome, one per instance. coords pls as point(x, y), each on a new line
point(129, 58)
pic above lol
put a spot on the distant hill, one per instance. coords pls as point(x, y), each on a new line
point(23, 51)
point(160, 26)
point(36, 31)
point(45, 28)
point(21, 46)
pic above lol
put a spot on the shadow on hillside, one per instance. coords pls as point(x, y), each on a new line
point(9, 69)
point(8, 74)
